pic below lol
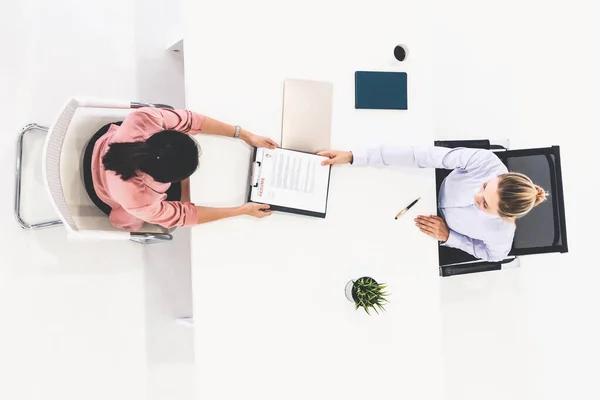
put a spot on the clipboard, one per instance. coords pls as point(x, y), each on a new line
point(312, 204)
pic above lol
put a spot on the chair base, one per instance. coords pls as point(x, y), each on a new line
point(18, 176)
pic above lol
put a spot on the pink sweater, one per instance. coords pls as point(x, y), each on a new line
point(142, 199)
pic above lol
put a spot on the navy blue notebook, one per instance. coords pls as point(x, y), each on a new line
point(380, 90)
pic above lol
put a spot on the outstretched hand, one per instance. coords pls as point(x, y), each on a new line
point(261, 141)
point(336, 157)
point(433, 226)
point(256, 210)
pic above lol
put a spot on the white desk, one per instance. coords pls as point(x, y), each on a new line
point(271, 319)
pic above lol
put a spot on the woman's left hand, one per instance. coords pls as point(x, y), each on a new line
point(260, 141)
point(433, 226)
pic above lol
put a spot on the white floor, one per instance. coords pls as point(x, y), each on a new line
point(82, 320)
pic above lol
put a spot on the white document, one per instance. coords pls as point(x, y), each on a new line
point(290, 179)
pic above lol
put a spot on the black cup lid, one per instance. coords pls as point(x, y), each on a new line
point(399, 53)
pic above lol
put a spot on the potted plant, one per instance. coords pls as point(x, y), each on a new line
point(365, 292)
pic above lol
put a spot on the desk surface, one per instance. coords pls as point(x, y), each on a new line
point(271, 318)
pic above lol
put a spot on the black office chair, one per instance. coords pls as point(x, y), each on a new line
point(543, 230)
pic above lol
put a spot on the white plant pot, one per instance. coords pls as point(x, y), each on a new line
point(348, 290)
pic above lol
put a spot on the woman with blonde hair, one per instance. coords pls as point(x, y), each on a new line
point(479, 200)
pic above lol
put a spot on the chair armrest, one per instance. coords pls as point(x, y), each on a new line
point(93, 102)
point(135, 104)
point(478, 266)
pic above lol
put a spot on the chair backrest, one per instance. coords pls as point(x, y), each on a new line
point(63, 153)
point(543, 230)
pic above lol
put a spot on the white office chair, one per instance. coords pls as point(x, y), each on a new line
point(63, 152)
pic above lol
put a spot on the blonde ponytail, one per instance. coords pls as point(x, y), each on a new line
point(540, 196)
point(518, 195)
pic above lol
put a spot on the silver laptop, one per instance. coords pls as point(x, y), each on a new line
point(307, 110)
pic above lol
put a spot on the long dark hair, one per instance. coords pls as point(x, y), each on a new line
point(167, 156)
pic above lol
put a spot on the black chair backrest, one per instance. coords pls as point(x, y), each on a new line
point(543, 230)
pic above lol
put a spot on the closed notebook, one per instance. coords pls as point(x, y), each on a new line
point(375, 90)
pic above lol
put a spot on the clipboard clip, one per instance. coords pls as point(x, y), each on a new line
point(255, 173)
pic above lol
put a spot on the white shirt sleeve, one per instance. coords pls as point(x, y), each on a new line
point(477, 248)
point(426, 157)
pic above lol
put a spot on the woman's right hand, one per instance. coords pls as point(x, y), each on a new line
point(336, 157)
point(256, 210)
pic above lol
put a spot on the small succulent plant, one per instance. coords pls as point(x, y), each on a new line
point(367, 293)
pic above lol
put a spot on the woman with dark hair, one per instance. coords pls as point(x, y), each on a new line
point(140, 169)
